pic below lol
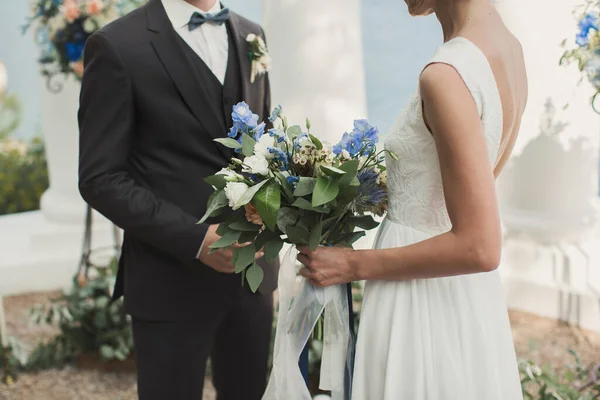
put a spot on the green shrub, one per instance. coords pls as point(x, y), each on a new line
point(23, 175)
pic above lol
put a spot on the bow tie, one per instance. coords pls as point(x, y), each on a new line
point(198, 19)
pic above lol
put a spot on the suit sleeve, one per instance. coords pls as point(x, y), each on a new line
point(106, 132)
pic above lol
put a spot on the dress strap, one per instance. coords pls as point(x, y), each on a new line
point(475, 70)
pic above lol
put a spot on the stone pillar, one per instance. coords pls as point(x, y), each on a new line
point(549, 190)
point(61, 203)
point(317, 69)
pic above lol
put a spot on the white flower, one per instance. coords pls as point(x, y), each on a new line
point(345, 154)
point(265, 62)
point(256, 164)
point(251, 37)
point(262, 146)
point(234, 191)
point(230, 176)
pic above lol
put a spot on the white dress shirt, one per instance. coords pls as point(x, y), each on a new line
point(209, 40)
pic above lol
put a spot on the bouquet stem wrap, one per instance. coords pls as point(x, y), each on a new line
point(298, 315)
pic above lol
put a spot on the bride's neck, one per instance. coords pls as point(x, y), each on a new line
point(455, 16)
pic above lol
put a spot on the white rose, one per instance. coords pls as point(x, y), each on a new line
point(234, 191)
point(251, 37)
point(256, 164)
point(230, 176)
point(262, 146)
point(265, 61)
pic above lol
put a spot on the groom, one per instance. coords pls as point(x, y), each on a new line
point(158, 87)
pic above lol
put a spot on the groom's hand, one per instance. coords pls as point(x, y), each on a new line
point(220, 260)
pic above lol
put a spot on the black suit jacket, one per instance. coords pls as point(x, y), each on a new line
point(146, 142)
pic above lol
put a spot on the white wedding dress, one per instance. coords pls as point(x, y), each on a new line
point(445, 338)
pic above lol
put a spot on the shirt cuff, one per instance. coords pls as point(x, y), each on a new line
point(201, 247)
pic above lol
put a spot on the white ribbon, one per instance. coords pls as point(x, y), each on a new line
point(297, 318)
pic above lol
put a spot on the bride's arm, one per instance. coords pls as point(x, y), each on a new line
point(474, 243)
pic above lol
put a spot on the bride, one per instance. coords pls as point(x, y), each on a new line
point(434, 324)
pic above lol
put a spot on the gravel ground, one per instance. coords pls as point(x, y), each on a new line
point(540, 339)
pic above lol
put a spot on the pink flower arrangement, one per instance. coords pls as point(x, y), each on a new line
point(94, 7)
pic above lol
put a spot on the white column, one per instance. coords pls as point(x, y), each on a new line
point(317, 69)
point(61, 203)
point(549, 190)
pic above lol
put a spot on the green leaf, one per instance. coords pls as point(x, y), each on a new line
point(217, 181)
point(364, 221)
point(286, 217)
point(222, 229)
point(272, 249)
point(326, 190)
point(392, 154)
point(350, 238)
point(244, 226)
point(248, 145)
point(347, 194)
point(243, 257)
point(332, 171)
point(247, 236)
point(107, 352)
point(216, 202)
point(229, 142)
point(314, 139)
point(264, 237)
point(226, 240)
point(350, 168)
point(304, 204)
point(297, 235)
point(315, 236)
point(294, 131)
point(305, 186)
point(254, 276)
point(249, 194)
point(285, 185)
point(267, 202)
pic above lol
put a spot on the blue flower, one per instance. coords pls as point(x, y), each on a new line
point(259, 131)
point(369, 133)
point(242, 115)
point(587, 23)
point(352, 143)
point(337, 149)
point(235, 130)
point(276, 113)
point(582, 41)
point(292, 180)
point(74, 50)
point(299, 139)
point(369, 192)
point(278, 134)
point(280, 156)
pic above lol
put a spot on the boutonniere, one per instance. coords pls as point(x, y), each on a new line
point(260, 60)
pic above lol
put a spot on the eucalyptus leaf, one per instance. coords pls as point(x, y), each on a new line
point(351, 169)
point(315, 236)
point(332, 171)
point(249, 194)
point(216, 202)
point(217, 181)
point(229, 239)
point(254, 276)
point(272, 249)
point(248, 145)
point(315, 140)
point(222, 229)
point(264, 237)
point(229, 142)
point(297, 235)
point(285, 186)
point(286, 217)
point(294, 131)
point(267, 202)
point(326, 190)
point(247, 236)
point(363, 221)
point(305, 186)
point(244, 226)
point(243, 257)
point(350, 238)
point(304, 204)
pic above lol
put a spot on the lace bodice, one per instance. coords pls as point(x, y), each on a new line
point(416, 194)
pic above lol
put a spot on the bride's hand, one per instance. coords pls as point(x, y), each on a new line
point(327, 266)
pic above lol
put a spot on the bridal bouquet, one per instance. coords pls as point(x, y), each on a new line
point(295, 188)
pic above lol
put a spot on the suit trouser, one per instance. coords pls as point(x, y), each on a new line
point(171, 356)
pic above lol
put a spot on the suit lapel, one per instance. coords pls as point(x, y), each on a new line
point(241, 47)
point(171, 53)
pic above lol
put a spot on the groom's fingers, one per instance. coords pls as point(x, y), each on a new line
point(304, 259)
point(307, 273)
point(305, 250)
